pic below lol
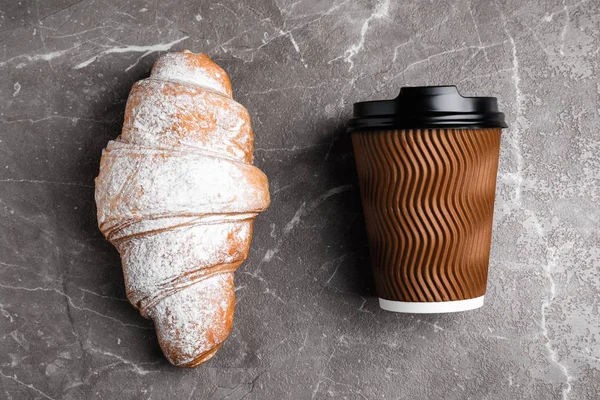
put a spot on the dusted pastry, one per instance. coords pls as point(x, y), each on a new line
point(177, 195)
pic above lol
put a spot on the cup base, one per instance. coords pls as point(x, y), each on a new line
point(431, 307)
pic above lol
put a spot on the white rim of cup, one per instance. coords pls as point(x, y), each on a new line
point(431, 307)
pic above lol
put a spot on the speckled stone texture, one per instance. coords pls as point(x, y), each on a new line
point(307, 324)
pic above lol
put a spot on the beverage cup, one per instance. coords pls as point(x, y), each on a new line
point(427, 163)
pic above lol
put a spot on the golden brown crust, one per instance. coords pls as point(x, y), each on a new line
point(177, 195)
point(178, 116)
point(189, 64)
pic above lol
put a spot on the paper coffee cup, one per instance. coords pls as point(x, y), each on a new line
point(427, 163)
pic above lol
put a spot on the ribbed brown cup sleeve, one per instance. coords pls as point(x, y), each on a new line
point(428, 200)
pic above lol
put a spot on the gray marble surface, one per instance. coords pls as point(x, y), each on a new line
point(307, 324)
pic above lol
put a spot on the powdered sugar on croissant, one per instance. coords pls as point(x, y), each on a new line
point(177, 195)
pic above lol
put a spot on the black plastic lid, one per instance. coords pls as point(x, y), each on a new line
point(428, 107)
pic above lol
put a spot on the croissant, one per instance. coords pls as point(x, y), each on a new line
point(177, 195)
